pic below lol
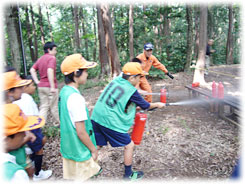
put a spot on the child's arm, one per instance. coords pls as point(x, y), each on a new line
point(18, 140)
point(84, 137)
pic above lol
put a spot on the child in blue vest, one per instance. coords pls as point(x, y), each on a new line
point(78, 146)
point(114, 114)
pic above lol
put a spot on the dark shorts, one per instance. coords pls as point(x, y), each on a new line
point(37, 144)
point(104, 135)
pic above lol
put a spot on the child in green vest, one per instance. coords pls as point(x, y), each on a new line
point(78, 146)
point(114, 114)
point(16, 130)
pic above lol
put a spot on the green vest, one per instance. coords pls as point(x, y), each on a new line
point(71, 146)
point(20, 156)
point(109, 110)
point(10, 169)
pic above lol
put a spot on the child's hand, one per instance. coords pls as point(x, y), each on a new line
point(160, 104)
point(30, 136)
point(95, 155)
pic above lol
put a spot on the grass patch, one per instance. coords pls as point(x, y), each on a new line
point(51, 131)
point(184, 124)
point(165, 130)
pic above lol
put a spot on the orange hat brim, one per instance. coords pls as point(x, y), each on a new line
point(89, 64)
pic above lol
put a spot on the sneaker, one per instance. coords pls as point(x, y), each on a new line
point(43, 175)
point(136, 175)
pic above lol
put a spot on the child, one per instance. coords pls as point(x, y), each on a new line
point(78, 146)
point(114, 113)
point(16, 129)
point(29, 107)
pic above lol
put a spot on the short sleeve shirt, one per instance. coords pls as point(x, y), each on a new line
point(77, 108)
point(27, 105)
point(42, 65)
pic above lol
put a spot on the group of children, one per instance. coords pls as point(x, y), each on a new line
point(82, 136)
point(22, 125)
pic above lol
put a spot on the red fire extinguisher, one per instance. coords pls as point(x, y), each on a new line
point(163, 95)
point(214, 90)
point(139, 126)
point(220, 91)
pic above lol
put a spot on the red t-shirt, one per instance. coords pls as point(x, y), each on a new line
point(42, 65)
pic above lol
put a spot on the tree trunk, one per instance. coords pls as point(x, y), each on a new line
point(11, 18)
point(161, 30)
point(49, 25)
point(197, 16)
point(210, 28)
point(110, 41)
point(84, 32)
point(229, 45)
point(41, 24)
point(166, 30)
point(76, 32)
point(189, 47)
point(95, 37)
point(103, 55)
point(199, 71)
point(131, 32)
point(29, 36)
point(34, 33)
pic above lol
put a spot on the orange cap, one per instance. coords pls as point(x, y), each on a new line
point(74, 62)
point(16, 121)
point(133, 68)
point(13, 80)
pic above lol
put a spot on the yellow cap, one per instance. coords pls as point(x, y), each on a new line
point(16, 121)
point(74, 62)
point(133, 68)
point(13, 80)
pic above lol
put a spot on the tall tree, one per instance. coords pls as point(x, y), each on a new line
point(34, 33)
point(197, 18)
point(84, 32)
point(166, 30)
point(210, 28)
point(49, 24)
point(11, 18)
point(29, 35)
point(131, 32)
point(41, 24)
point(110, 41)
point(95, 37)
point(199, 71)
point(103, 55)
point(76, 22)
point(229, 44)
point(189, 48)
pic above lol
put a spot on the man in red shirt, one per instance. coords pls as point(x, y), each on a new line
point(47, 85)
point(149, 60)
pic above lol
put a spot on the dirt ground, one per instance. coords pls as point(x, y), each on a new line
point(183, 142)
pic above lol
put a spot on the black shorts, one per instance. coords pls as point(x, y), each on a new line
point(38, 143)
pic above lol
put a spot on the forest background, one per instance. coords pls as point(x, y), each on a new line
point(113, 34)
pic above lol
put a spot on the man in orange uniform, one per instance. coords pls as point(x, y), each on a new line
point(148, 60)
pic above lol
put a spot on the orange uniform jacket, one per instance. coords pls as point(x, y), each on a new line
point(146, 66)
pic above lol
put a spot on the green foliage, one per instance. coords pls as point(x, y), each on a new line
point(148, 27)
point(91, 84)
point(51, 131)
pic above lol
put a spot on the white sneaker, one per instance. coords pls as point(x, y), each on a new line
point(43, 175)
